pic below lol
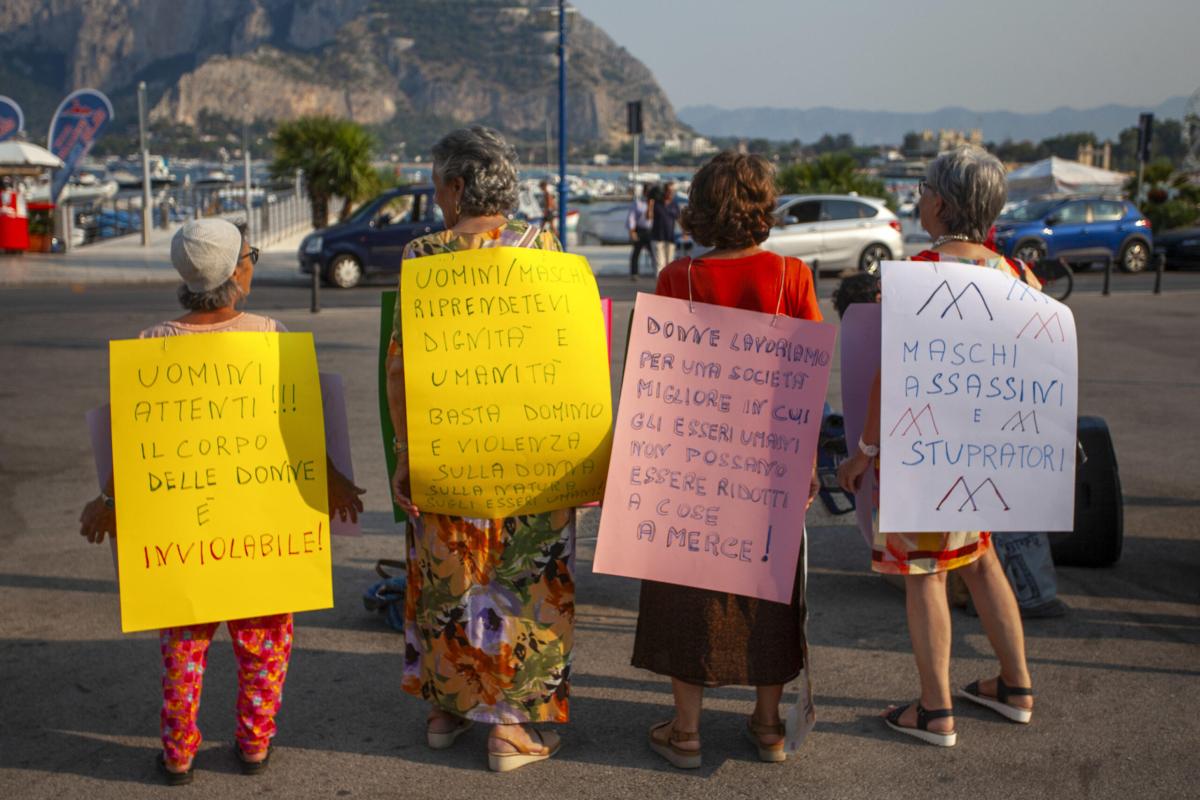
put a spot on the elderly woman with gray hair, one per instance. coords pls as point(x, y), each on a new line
point(490, 606)
point(216, 264)
point(960, 197)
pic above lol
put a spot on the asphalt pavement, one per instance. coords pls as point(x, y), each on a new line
point(1117, 678)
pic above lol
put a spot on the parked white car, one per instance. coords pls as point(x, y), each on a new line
point(836, 231)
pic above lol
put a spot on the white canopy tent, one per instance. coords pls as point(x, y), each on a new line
point(1059, 176)
point(26, 158)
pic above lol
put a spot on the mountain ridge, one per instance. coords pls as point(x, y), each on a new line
point(888, 127)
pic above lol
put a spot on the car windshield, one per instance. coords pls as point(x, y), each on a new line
point(1029, 211)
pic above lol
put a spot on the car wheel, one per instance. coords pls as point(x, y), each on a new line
point(871, 256)
point(1030, 252)
point(1135, 256)
point(345, 272)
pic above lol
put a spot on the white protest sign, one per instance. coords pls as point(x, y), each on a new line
point(979, 396)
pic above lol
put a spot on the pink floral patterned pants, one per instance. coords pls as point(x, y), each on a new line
point(262, 646)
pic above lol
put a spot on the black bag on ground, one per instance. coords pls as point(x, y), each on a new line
point(1099, 509)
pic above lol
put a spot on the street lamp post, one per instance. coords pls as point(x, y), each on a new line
point(562, 123)
point(147, 214)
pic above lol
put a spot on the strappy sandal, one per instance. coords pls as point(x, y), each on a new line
point(999, 703)
point(922, 732)
point(175, 778)
point(249, 767)
point(771, 753)
point(523, 754)
point(446, 739)
point(663, 739)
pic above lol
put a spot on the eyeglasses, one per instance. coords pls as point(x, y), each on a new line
point(922, 185)
point(253, 255)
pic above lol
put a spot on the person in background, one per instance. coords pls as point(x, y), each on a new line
point(490, 606)
point(549, 209)
point(959, 199)
point(664, 214)
point(861, 287)
point(695, 636)
point(217, 266)
point(638, 223)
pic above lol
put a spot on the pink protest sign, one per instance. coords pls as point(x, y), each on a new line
point(714, 446)
point(337, 442)
point(861, 328)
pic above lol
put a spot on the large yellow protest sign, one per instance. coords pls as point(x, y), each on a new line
point(220, 479)
point(506, 379)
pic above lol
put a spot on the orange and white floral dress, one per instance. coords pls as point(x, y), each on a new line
point(490, 605)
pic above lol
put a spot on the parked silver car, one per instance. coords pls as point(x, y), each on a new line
point(838, 231)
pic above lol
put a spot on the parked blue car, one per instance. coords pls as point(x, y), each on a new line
point(1079, 229)
point(372, 239)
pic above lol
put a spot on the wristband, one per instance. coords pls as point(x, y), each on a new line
point(109, 502)
point(868, 450)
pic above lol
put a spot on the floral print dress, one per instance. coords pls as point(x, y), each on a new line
point(490, 605)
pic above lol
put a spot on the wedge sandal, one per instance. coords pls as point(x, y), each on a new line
point(663, 740)
point(770, 753)
point(999, 703)
point(922, 732)
point(522, 755)
point(446, 739)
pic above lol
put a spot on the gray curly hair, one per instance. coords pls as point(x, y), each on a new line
point(971, 183)
point(486, 163)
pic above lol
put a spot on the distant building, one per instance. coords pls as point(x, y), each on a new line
point(928, 144)
point(683, 143)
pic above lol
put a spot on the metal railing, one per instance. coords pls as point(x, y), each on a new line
point(274, 213)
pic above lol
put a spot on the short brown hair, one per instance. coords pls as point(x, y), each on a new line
point(732, 201)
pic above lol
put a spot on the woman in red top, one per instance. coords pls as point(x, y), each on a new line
point(698, 637)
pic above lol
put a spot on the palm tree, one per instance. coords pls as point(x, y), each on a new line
point(831, 173)
point(335, 156)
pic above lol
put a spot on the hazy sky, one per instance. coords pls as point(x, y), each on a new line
point(1017, 55)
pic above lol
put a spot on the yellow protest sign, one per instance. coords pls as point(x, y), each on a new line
point(506, 380)
point(219, 474)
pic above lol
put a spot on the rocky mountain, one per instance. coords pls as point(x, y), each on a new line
point(889, 127)
point(375, 61)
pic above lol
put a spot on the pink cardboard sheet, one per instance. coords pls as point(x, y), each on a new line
point(714, 445)
point(862, 326)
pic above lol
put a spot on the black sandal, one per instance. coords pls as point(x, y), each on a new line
point(251, 767)
point(175, 778)
point(999, 703)
point(922, 732)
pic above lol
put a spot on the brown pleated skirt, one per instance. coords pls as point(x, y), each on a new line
point(715, 639)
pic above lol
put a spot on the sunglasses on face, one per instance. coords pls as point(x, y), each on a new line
point(252, 254)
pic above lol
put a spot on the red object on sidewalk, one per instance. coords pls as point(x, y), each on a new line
point(14, 221)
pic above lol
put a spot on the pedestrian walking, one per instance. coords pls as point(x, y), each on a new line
point(702, 638)
point(664, 214)
point(217, 267)
point(485, 640)
point(638, 222)
point(961, 196)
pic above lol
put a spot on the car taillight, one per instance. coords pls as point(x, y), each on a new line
point(895, 225)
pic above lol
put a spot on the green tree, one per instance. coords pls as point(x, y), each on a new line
point(335, 156)
point(832, 173)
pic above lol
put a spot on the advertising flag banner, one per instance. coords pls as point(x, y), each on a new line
point(80, 119)
point(12, 119)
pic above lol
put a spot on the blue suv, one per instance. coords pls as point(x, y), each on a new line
point(1079, 229)
point(372, 239)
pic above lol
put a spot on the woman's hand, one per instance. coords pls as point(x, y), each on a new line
point(814, 487)
point(401, 488)
point(851, 471)
point(96, 520)
point(344, 496)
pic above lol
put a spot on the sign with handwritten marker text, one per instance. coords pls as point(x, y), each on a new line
point(506, 382)
point(978, 407)
point(714, 446)
point(220, 478)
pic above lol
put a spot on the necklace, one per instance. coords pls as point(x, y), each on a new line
point(951, 237)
